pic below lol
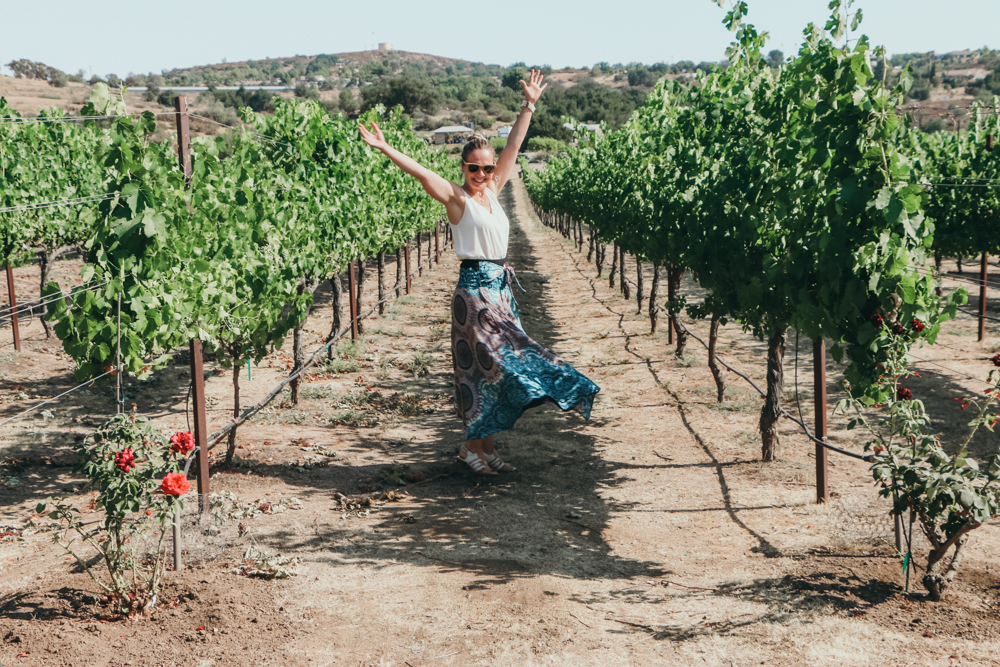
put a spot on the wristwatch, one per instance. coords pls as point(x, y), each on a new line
point(531, 107)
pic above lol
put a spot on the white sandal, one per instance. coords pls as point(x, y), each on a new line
point(496, 463)
point(474, 461)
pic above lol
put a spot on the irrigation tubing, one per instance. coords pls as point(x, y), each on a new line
point(921, 360)
point(214, 438)
point(978, 282)
point(977, 315)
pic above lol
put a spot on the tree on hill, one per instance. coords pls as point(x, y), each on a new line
point(322, 64)
point(512, 76)
point(641, 76)
point(30, 69)
point(347, 102)
point(405, 91)
point(305, 92)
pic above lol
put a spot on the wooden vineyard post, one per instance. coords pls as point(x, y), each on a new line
point(197, 366)
point(409, 275)
point(200, 422)
point(437, 242)
point(13, 309)
point(670, 299)
point(982, 297)
point(983, 272)
point(819, 399)
point(352, 297)
point(183, 138)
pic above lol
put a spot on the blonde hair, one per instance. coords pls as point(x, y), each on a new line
point(475, 143)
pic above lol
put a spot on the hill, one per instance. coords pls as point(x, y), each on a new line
point(350, 65)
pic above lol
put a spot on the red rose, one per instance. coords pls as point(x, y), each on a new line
point(903, 394)
point(898, 329)
point(181, 442)
point(918, 326)
point(125, 460)
point(877, 321)
point(175, 484)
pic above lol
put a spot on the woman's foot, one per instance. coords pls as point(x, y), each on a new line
point(496, 463)
point(474, 461)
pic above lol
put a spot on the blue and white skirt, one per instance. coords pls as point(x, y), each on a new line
point(499, 371)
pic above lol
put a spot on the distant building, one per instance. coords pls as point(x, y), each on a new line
point(504, 131)
point(385, 46)
point(592, 127)
point(441, 135)
point(962, 55)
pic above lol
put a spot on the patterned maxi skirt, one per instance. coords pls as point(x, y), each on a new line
point(499, 371)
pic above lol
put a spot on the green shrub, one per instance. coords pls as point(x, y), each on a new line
point(499, 143)
point(306, 92)
point(167, 97)
point(58, 79)
point(347, 102)
point(547, 144)
point(482, 121)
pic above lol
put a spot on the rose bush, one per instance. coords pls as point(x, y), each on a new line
point(947, 495)
point(135, 472)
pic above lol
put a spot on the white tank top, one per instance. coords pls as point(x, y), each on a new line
point(481, 234)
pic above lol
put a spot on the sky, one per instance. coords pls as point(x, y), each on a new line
point(144, 37)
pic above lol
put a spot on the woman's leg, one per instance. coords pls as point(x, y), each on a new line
point(476, 448)
point(488, 449)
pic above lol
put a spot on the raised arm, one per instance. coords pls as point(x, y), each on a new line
point(436, 186)
point(508, 158)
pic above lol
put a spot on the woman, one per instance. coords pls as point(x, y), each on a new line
point(499, 371)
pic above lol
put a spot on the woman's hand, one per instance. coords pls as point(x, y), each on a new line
point(375, 138)
point(533, 89)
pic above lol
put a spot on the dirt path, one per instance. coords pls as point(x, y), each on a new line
point(646, 536)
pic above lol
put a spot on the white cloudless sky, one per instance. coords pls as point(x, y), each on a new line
point(144, 37)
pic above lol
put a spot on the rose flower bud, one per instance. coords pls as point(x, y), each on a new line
point(125, 460)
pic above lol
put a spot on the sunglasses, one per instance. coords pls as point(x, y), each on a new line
point(487, 168)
